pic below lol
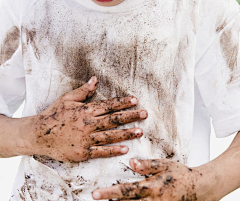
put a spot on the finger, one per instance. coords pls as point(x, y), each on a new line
point(137, 190)
point(116, 119)
point(111, 105)
point(114, 136)
point(151, 166)
point(84, 92)
point(106, 151)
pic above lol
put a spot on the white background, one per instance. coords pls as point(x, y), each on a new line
point(8, 167)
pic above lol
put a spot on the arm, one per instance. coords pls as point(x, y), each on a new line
point(174, 181)
point(224, 172)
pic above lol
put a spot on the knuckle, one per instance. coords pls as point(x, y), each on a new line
point(107, 137)
point(84, 89)
point(154, 164)
point(87, 122)
point(87, 153)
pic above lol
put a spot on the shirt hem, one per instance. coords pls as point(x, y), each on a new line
point(227, 127)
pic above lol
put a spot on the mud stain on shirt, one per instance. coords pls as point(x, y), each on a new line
point(29, 188)
point(220, 25)
point(230, 49)
point(76, 63)
point(33, 190)
point(30, 40)
point(10, 44)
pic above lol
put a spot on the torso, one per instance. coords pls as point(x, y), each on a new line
point(143, 52)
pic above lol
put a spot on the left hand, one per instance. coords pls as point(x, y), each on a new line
point(169, 181)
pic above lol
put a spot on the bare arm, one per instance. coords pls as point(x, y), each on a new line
point(12, 134)
point(71, 130)
point(224, 172)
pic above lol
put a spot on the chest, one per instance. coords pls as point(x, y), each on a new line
point(148, 47)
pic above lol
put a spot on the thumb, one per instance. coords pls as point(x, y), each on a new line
point(145, 167)
point(84, 92)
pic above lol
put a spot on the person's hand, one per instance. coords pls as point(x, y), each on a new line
point(70, 130)
point(169, 180)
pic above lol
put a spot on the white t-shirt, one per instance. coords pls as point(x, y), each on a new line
point(180, 58)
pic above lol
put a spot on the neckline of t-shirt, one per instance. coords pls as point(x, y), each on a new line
point(125, 6)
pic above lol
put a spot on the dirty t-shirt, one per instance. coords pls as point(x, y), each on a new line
point(180, 58)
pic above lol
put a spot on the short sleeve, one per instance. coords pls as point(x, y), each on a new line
point(217, 70)
point(12, 77)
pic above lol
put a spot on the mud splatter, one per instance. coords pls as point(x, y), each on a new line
point(30, 40)
point(10, 44)
point(34, 190)
point(76, 63)
point(128, 169)
point(194, 16)
point(29, 187)
point(230, 49)
point(220, 25)
point(76, 192)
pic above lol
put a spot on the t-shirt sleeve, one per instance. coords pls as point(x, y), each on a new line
point(12, 79)
point(217, 69)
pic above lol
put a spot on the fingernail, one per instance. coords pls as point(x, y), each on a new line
point(143, 114)
point(137, 163)
point(134, 101)
point(138, 132)
point(124, 150)
point(91, 80)
point(96, 195)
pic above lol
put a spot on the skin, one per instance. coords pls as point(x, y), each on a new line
point(71, 130)
point(170, 180)
point(112, 3)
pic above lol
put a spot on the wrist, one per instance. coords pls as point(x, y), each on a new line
point(207, 185)
point(13, 139)
point(24, 144)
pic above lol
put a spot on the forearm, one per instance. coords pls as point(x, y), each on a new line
point(13, 136)
point(222, 176)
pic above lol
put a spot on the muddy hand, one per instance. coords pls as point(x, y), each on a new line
point(169, 181)
point(70, 130)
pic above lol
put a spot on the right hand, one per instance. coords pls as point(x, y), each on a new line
point(73, 131)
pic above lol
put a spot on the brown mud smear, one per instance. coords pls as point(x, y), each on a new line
point(9, 45)
point(220, 25)
point(230, 47)
point(30, 40)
